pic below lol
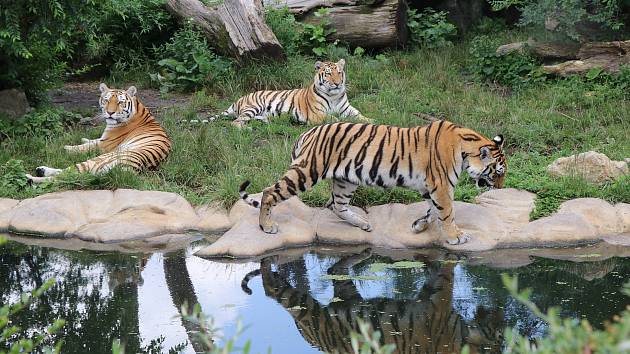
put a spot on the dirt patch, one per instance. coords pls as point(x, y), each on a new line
point(83, 97)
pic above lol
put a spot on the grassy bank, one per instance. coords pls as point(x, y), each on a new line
point(540, 123)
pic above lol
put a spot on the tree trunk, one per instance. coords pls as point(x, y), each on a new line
point(367, 24)
point(235, 28)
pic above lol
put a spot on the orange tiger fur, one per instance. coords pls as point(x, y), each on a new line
point(428, 159)
point(326, 95)
point(132, 137)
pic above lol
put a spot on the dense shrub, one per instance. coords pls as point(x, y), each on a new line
point(39, 39)
point(430, 28)
point(39, 123)
point(285, 27)
point(570, 18)
point(187, 62)
point(513, 69)
point(314, 38)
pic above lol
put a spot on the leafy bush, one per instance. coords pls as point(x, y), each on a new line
point(430, 28)
point(314, 37)
point(13, 340)
point(569, 335)
point(513, 69)
point(38, 39)
point(12, 177)
point(188, 62)
point(566, 17)
point(285, 27)
point(40, 123)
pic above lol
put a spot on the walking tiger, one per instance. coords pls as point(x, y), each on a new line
point(428, 159)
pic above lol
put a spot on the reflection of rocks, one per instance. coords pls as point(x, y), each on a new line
point(109, 216)
point(425, 322)
point(592, 166)
point(499, 220)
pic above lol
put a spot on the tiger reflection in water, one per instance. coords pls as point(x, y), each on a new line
point(426, 324)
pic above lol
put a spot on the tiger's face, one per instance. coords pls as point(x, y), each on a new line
point(330, 77)
point(117, 106)
point(488, 168)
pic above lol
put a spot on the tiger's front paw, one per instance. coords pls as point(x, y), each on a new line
point(365, 119)
point(458, 240)
point(271, 228)
point(238, 123)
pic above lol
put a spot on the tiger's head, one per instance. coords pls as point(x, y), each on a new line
point(330, 77)
point(487, 166)
point(117, 106)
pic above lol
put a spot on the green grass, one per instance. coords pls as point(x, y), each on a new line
point(208, 162)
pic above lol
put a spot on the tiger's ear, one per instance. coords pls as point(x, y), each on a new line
point(498, 140)
point(484, 154)
point(103, 88)
point(341, 63)
point(318, 65)
point(131, 91)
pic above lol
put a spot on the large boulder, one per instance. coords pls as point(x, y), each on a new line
point(13, 103)
point(109, 216)
point(592, 166)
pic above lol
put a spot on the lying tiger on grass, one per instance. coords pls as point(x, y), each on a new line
point(428, 159)
point(311, 105)
point(132, 137)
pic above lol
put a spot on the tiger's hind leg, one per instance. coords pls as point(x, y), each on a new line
point(43, 174)
point(297, 179)
point(340, 201)
point(421, 224)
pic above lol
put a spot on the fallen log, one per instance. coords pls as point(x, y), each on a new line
point(357, 23)
point(235, 28)
point(609, 56)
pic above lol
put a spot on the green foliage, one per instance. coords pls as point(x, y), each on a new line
point(513, 69)
point(43, 122)
point(188, 62)
point(14, 340)
point(12, 177)
point(285, 27)
point(314, 37)
point(207, 332)
point(568, 335)
point(368, 341)
point(430, 28)
point(566, 17)
point(38, 39)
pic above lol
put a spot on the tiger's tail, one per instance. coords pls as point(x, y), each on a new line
point(225, 114)
point(246, 198)
point(249, 276)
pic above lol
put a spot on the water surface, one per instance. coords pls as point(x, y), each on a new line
point(305, 301)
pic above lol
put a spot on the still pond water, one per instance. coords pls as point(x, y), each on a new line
point(303, 301)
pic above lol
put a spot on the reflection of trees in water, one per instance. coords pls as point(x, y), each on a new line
point(587, 289)
point(424, 323)
point(93, 316)
point(182, 292)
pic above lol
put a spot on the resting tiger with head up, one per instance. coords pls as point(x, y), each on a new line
point(428, 159)
point(327, 95)
point(132, 137)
